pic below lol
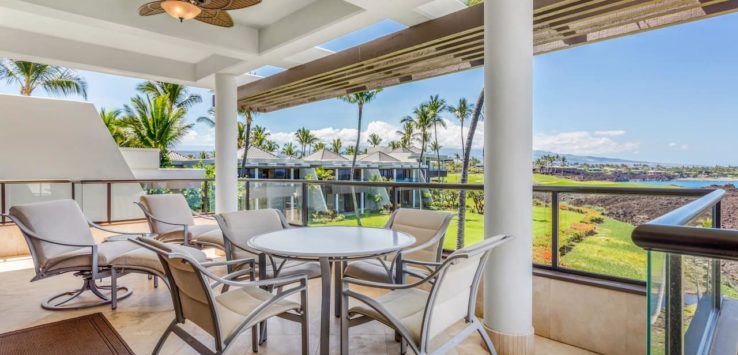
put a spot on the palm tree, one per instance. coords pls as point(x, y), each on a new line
point(113, 122)
point(465, 169)
point(30, 76)
point(374, 140)
point(259, 136)
point(350, 150)
point(407, 133)
point(318, 146)
point(153, 125)
point(270, 146)
point(435, 107)
point(422, 122)
point(462, 111)
point(177, 95)
point(289, 150)
point(360, 99)
point(336, 145)
point(244, 133)
point(305, 138)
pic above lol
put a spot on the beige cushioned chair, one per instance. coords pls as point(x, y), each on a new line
point(60, 241)
point(239, 227)
point(171, 220)
point(418, 315)
point(226, 315)
point(429, 230)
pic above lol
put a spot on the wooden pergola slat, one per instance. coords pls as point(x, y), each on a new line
point(456, 42)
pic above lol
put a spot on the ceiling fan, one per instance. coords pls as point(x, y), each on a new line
point(212, 12)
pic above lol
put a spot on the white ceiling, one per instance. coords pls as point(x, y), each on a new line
point(109, 36)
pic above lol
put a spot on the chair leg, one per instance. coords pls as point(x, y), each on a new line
point(255, 338)
point(403, 346)
point(113, 289)
point(163, 338)
point(156, 281)
point(485, 337)
point(344, 325)
point(304, 323)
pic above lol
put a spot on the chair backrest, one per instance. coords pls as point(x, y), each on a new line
point(453, 295)
point(57, 221)
point(191, 294)
point(168, 207)
point(424, 225)
point(239, 227)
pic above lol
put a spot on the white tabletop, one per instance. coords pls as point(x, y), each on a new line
point(316, 242)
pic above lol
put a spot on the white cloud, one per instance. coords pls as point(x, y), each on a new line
point(198, 138)
point(677, 145)
point(673, 144)
point(583, 142)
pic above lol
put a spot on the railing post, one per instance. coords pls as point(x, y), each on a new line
point(716, 265)
point(554, 230)
point(2, 202)
point(247, 195)
point(305, 201)
point(109, 202)
point(674, 304)
point(205, 197)
point(394, 198)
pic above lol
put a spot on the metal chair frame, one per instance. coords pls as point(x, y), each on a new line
point(204, 275)
point(150, 219)
point(435, 279)
point(89, 274)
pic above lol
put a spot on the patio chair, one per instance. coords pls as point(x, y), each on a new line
point(171, 220)
point(418, 315)
point(239, 227)
point(429, 230)
point(226, 315)
point(60, 241)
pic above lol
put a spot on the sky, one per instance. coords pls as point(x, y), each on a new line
point(667, 96)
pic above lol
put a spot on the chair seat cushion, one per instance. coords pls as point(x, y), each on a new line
point(212, 237)
point(233, 305)
point(106, 253)
point(194, 231)
point(407, 306)
point(370, 270)
point(147, 259)
point(292, 267)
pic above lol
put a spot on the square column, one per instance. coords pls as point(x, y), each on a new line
point(508, 196)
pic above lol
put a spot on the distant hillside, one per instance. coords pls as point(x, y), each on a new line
point(584, 159)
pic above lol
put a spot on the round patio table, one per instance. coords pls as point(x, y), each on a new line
point(331, 245)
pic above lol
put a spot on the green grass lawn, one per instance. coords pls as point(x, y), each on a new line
point(609, 252)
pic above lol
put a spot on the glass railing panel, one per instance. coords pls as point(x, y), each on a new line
point(23, 193)
point(284, 196)
point(656, 288)
point(698, 301)
point(93, 199)
point(595, 231)
point(333, 205)
point(193, 191)
point(542, 228)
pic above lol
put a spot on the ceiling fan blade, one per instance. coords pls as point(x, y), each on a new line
point(152, 8)
point(215, 17)
point(227, 4)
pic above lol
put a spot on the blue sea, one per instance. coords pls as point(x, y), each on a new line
point(688, 183)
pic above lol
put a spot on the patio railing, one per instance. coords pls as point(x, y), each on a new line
point(579, 231)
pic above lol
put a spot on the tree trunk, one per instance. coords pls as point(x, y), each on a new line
point(246, 141)
point(463, 147)
point(353, 167)
point(438, 153)
point(465, 170)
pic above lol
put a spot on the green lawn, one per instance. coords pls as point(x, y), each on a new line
point(610, 251)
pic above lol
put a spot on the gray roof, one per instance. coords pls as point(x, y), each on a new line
point(377, 157)
point(324, 155)
point(257, 154)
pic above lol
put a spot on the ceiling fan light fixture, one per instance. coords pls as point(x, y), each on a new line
point(182, 10)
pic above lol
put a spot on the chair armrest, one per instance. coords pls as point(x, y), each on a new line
point(279, 281)
point(422, 246)
point(104, 229)
point(428, 279)
point(248, 261)
point(429, 264)
point(149, 215)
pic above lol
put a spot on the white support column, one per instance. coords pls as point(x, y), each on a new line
point(226, 128)
point(508, 68)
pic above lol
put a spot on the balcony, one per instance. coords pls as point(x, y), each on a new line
point(575, 269)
